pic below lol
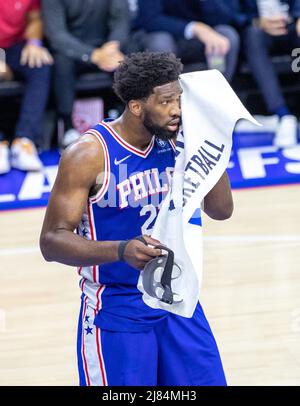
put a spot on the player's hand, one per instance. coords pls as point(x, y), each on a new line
point(274, 26)
point(108, 57)
point(298, 27)
point(137, 254)
point(214, 42)
point(35, 56)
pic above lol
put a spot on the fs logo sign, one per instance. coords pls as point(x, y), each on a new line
point(296, 61)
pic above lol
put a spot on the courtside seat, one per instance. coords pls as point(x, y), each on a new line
point(247, 89)
point(86, 83)
point(245, 86)
point(283, 65)
point(10, 88)
point(93, 82)
point(194, 67)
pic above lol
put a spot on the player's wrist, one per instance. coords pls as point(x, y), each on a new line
point(121, 249)
point(123, 244)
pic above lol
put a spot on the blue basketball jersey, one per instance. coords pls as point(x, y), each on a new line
point(134, 185)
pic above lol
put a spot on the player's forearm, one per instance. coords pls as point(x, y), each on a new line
point(218, 203)
point(70, 249)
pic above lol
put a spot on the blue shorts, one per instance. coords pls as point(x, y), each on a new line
point(175, 352)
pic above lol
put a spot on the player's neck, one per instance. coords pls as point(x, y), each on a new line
point(132, 131)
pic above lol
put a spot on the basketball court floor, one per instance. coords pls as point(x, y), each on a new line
point(250, 294)
point(250, 290)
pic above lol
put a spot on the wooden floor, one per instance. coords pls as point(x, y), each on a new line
point(250, 294)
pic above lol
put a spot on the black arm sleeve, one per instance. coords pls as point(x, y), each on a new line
point(56, 31)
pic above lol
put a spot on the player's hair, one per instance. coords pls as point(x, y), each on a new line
point(141, 72)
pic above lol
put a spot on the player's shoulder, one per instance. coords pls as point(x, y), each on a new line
point(85, 152)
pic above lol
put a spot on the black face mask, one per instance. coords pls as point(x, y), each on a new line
point(161, 290)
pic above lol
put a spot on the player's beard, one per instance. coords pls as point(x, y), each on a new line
point(160, 132)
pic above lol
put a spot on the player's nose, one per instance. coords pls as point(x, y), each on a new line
point(175, 111)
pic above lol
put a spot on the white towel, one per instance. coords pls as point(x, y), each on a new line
point(210, 111)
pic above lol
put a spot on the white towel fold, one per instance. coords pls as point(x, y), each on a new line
point(210, 111)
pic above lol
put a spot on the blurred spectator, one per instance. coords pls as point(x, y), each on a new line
point(279, 31)
point(28, 60)
point(194, 30)
point(85, 36)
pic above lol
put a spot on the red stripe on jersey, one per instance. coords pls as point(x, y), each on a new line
point(124, 144)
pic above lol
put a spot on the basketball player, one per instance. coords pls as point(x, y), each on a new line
point(109, 186)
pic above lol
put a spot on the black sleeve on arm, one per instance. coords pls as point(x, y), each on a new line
point(56, 30)
point(151, 17)
point(119, 21)
point(296, 8)
point(250, 8)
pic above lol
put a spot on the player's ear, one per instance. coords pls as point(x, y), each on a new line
point(135, 107)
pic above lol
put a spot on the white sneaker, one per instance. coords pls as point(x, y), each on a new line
point(24, 155)
point(4, 158)
point(286, 133)
point(69, 137)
